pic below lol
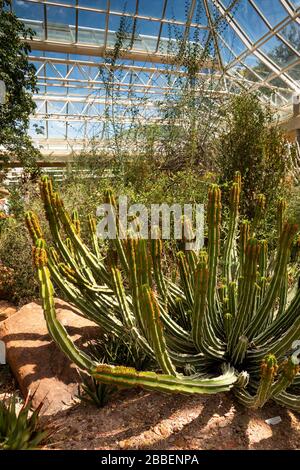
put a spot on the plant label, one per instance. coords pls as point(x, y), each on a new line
point(2, 353)
point(2, 92)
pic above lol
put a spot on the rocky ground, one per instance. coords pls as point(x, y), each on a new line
point(133, 419)
point(137, 419)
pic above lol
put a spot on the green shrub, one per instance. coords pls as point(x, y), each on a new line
point(18, 283)
point(110, 350)
point(294, 204)
point(253, 144)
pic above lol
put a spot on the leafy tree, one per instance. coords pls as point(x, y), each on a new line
point(189, 113)
point(253, 144)
point(20, 81)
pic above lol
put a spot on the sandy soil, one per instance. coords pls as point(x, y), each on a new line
point(137, 419)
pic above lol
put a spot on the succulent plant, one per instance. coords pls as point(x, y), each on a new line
point(232, 295)
point(20, 430)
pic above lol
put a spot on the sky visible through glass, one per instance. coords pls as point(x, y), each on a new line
point(257, 44)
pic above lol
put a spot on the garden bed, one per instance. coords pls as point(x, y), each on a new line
point(136, 419)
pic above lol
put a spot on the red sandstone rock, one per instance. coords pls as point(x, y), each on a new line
point(6, 310)
point(36, 361)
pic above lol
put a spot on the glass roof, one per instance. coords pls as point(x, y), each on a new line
point(255, 44)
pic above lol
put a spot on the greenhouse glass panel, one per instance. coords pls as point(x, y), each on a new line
point(294, 73)
point(292, 34)
point(32, 17)
point(147, 28)
point(272, 10)
point(152, 8)
point(259, 67)
point(61, 24)
point(295, 3)
point(249, 20)
point(128, 6)
point(97, 4)
point(279, 52)
point(254, 46)
point(91, 27)
point(232, 40)
point(177, 10)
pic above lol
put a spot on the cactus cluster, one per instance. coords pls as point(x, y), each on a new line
point(228, 323)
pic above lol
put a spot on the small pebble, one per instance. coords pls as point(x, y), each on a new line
point(222, 424)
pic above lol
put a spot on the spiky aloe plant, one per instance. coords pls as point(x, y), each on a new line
point(20, 430)
point(242, 323)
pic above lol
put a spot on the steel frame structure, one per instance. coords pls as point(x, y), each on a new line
point(69, 56)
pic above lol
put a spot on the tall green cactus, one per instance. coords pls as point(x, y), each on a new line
point(239, 321)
